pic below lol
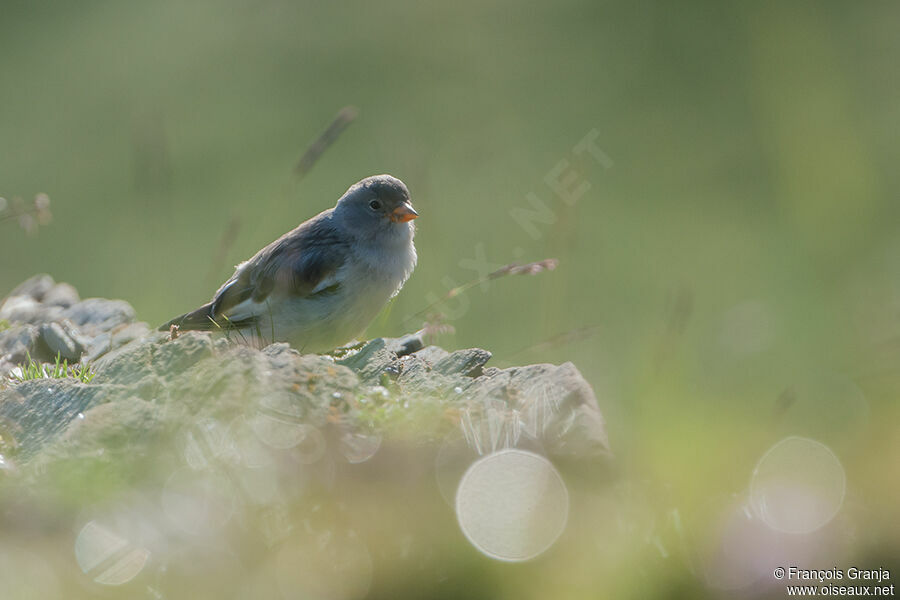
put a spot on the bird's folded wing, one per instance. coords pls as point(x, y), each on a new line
point(302, 263)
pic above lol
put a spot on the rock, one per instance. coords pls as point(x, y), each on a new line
point(463, 362)
point(195, 377)
point(108, 341)
point(59, 342)
point(128, 333)
point(405, 345)
point(432, 354)
point(179, 446)
point(98, 315)
point(115, 426)
point(370, 361)
point(98, 346)
point(43, 409)
point(549, 403)
point(62, 294)
point(16, 343)
point(44, 318)
point(20, 309)
point(35, 287)
point(81, 340)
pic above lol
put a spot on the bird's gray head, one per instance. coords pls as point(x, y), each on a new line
point(377, 207)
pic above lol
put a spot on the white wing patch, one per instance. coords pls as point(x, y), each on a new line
point(328, 281)
point(248, 309)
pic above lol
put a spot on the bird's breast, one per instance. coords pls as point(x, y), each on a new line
point(387, 265)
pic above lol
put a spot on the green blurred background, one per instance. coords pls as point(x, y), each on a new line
point(732, 277)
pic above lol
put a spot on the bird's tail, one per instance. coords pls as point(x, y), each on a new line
point(197, 320)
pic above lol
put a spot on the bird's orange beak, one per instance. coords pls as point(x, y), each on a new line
point(403, 213)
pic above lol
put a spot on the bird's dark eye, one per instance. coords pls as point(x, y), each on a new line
point(374, 204)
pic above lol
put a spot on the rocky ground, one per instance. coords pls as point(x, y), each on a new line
point(212, 441)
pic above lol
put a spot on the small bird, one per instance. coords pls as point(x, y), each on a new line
point(321, 284)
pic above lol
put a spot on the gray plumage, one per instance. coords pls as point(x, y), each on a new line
point(321, 284)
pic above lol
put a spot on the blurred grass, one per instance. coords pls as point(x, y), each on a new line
point(754, 155)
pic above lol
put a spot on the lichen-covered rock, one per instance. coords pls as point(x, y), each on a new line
point(199, 375)
point(463, 362)
point(201, 441)
point(41, 410)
